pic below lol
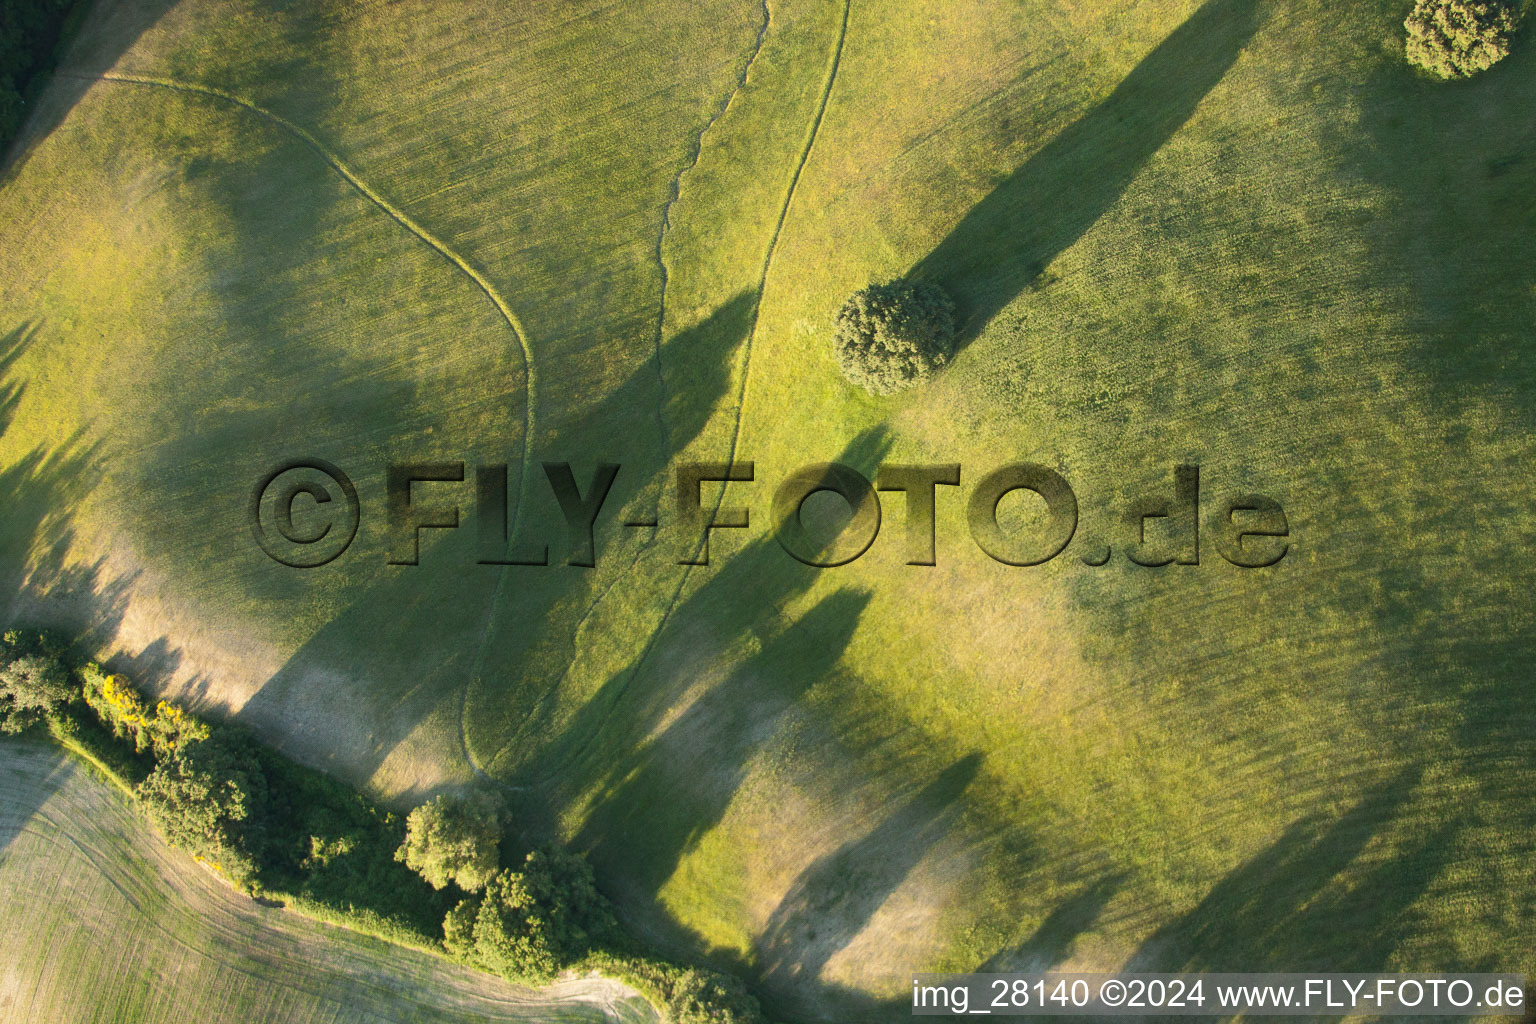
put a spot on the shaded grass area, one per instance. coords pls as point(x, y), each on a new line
point(1005, 241)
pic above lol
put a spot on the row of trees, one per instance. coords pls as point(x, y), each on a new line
point(545, 915)
point(285, 832)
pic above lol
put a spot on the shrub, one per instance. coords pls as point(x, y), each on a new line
point(33, 680)
point(206, 798)
point(532, 923)
point(453, 840)
point(326, 845)
point(709, 997)
point(1459, 38)
point(123, 709)
point(459, 929)
point(890, 336)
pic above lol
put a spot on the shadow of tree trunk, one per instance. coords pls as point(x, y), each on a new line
point(1006, 241)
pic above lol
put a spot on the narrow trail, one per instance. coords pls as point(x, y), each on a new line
point(674, 194)
point(404, 219)
point(666, 219)
point(746, 372)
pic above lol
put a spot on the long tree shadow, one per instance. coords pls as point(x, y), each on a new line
point(677, 786)
point(1459, 163)
point(699, 360)
point(702, 625)
point(108, 31)
point(1008, 239)
point(837, 896)
point(39, 488)
point(541, 603)
point(296, 380)
point(1456, 163)
point(1311, 901)
point(653, 759)
point(1051, 942)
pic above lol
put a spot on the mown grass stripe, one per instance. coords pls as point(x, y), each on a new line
point(400, 217)
point(746, 370)
point(404, 219)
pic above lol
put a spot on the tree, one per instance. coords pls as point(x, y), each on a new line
point(1459, 38)
point(206, 798)
point(453, 840)
point(33, 680)
point(459, 929)
point(533, 922)
point(709, 997)
point(890, 336)
point(123, 709)
point(30, 687)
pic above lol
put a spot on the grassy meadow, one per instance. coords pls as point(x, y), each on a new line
point(1235, 233)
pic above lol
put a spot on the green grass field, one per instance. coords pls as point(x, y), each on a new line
point(106, 923)
point(1238, 234)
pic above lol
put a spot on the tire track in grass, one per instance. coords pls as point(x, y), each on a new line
point(674, 194)
point(404, 219)
point(746, 372)
point(666, 220)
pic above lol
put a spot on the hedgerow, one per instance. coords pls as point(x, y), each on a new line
point(285, 832)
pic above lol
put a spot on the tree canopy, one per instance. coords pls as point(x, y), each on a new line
point(890, 336)
point(531, 923)
point(453, 839)
point(1459, 38)
point(33, 681)
point(206, 798)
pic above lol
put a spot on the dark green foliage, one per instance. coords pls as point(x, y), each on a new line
point(30, 33)
point(34, 681)
point(459, 929)
point(330, 847)
point(275, 827)
point(1459, 38)
point(890, 336)
point(531, 923)
point(74, 723)
point(453, 839)
point(709, 997)
point(209, 798)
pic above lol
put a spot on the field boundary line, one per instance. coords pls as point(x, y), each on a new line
point(661, 318)
point(399, 216)
point(674, 196)
point(746, 370)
